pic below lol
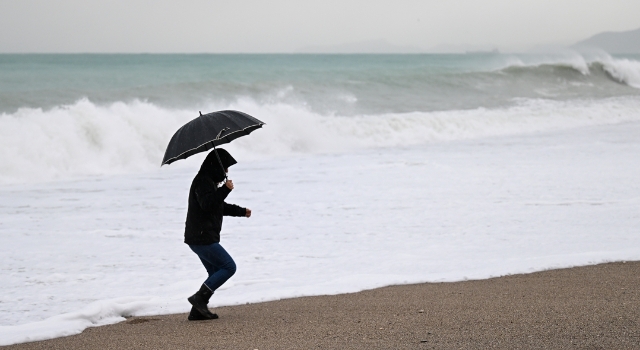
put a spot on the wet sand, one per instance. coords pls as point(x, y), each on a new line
point(592, 307)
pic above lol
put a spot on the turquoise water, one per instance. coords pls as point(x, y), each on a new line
point(76, 115)
point(327, 84)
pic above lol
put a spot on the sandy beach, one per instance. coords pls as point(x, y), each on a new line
point(592, 307)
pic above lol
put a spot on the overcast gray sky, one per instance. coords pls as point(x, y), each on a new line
point(288, 26)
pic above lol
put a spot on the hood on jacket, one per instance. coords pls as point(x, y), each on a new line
point(211, 167)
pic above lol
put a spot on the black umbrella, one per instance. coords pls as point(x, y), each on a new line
point(208, 131)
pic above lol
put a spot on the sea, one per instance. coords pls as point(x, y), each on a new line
point(371, 170)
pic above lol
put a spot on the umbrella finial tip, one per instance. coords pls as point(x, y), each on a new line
point(200, 113)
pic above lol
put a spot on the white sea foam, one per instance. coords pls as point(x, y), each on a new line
point(624, 71)
point(75, 254)
point(98, 313)
point(84, 139)
point(88, 139)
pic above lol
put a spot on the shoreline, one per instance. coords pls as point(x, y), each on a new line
point(596, 306)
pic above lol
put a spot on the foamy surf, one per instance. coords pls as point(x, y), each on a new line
point(103, 248)
point(96, 314)
point(85, 139)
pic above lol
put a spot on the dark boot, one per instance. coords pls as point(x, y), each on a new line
point(195, 315)
point(199, 302)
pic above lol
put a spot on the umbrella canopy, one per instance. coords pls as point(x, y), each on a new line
point(208, 131)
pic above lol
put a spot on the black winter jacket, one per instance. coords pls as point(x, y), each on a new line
point(207, 205)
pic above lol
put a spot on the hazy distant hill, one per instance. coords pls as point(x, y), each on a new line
point(613, 42)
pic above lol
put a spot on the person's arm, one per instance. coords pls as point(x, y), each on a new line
point(208, 195)
point(235, 210)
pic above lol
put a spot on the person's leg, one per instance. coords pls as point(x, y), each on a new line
point(194, 314)
point(211, 269)
point(220, 267)
point(218, 263)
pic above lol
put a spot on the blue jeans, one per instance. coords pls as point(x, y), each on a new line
point(219, 264)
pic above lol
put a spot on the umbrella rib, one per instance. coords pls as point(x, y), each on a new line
point(237, 131)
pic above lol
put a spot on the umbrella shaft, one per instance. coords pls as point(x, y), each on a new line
point(220, 162)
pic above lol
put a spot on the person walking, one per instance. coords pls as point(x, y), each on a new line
point(207, 206)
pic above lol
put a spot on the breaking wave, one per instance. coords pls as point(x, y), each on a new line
point(619, 70)
point(85, 139)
